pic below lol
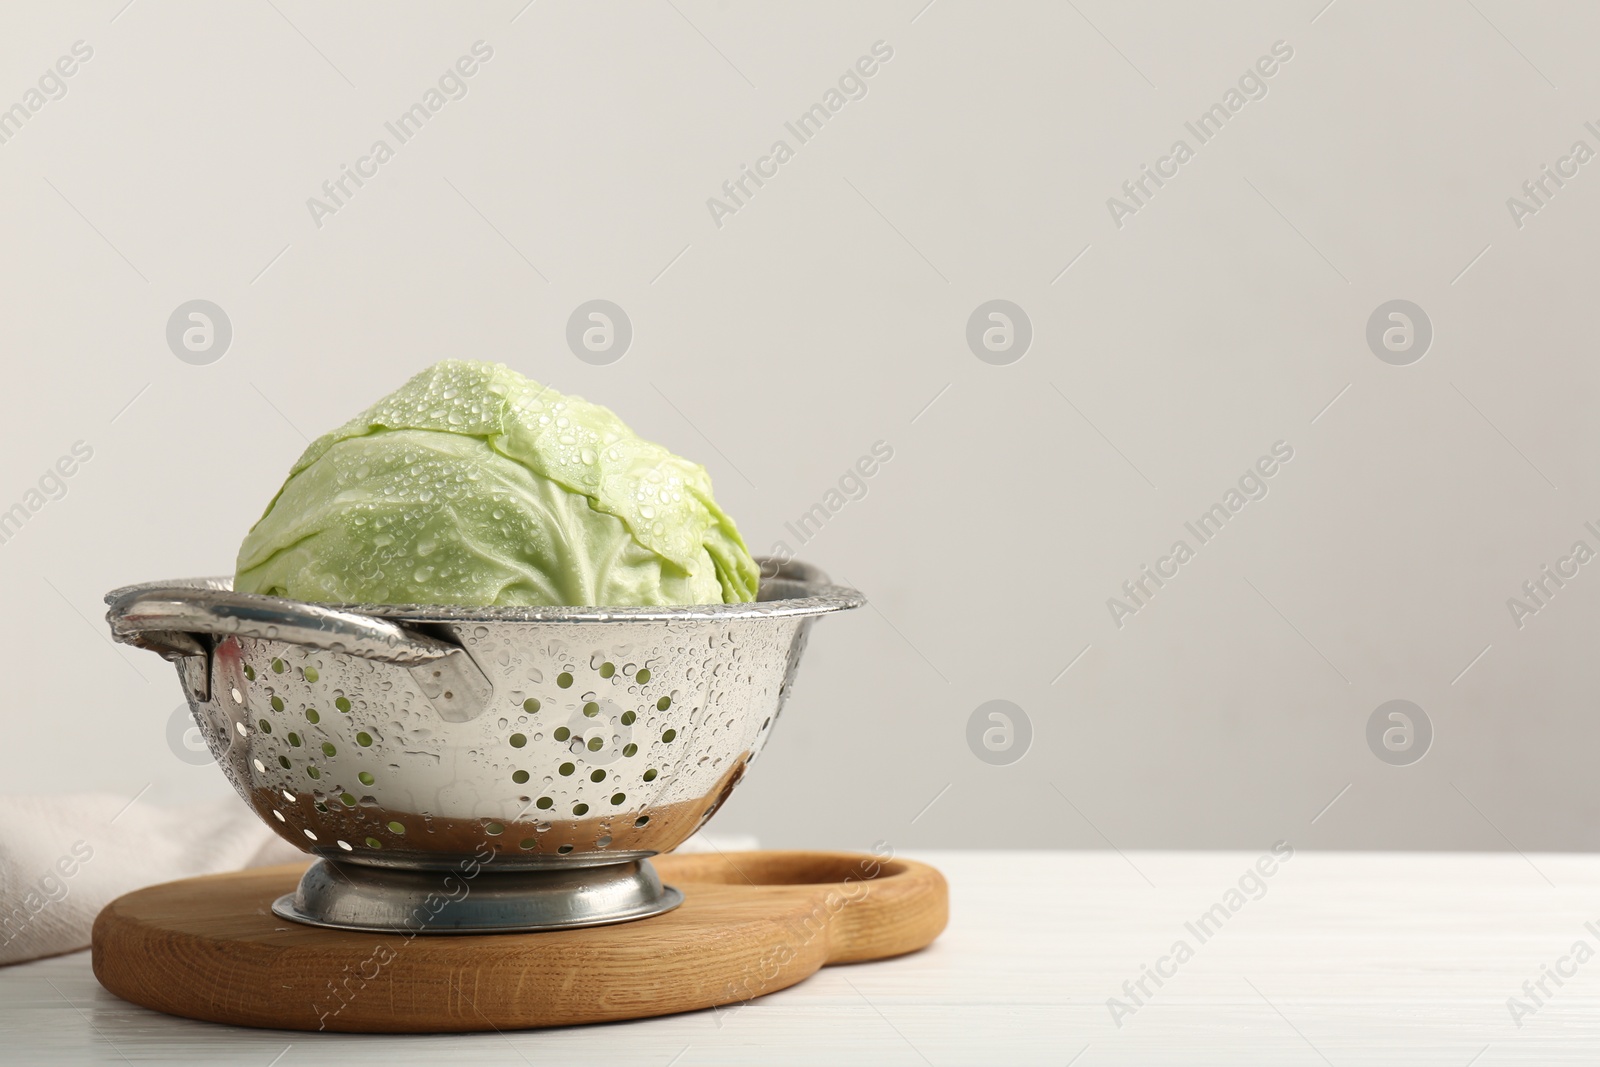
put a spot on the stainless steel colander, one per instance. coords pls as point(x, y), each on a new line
point(480, 769)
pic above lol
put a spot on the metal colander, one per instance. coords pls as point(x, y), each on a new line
point(552, 750)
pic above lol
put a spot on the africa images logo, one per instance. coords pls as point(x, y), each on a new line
point(1251, 486)
point(452, 85)
point(1252, 85)
point(52, 85)
point(852, 85)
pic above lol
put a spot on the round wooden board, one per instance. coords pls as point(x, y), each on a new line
point(751, 922)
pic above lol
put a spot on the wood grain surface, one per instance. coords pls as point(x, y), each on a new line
point(751, 922)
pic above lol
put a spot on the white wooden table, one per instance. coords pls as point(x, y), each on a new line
point(1346, 958)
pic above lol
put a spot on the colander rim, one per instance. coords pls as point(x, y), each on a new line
point(794, 598)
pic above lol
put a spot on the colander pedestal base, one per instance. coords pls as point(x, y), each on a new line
point(352, 896)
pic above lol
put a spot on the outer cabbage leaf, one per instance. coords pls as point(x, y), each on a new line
point(473, 485)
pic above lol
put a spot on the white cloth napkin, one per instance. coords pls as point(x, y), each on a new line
point(63, 857)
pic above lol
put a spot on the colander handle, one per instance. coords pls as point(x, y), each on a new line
point(170, 620)
point(150, 618)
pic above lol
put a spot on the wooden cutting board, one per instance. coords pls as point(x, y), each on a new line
point(751, 923)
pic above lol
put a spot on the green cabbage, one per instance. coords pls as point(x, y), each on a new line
point(472, 485)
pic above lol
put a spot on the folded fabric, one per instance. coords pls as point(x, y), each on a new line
point(63, 857)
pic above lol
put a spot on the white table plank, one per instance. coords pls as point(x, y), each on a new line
point(1346, 958)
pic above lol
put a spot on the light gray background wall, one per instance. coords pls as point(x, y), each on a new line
point(830, 312)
